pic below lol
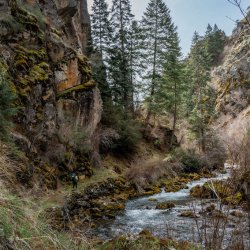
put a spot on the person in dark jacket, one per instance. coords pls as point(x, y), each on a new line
point(74, 179)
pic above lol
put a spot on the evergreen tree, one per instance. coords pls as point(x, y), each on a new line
point(172, 86)
point(200, 97)
point(100, 28)
point(156, 24)
point(209, 30)
point(101, 40)
point(135, 57)
point(200, 101)
point(214, 43)
point(7, 110)
point(119, 61)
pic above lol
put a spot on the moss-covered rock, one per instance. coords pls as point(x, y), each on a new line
point(165, 205)
point(219, 188)
point(189, 214)
point(144, 241)
point(150, 190)
point(174, 184)
point(152, 199)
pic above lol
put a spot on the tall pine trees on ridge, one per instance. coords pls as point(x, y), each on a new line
point(100, 26)
point(100, 31)
point(204, 54)
point(157, 26)
point(135, 52)
point(144, 58)
point(120, 75)
point(173, 85)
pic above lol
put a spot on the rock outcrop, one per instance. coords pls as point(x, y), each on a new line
point(43, 46)
point(98, 201)
point(232, 80)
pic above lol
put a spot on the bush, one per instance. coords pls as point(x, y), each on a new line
point(216, 153)
point(146, 173)
point(130, 135)
point(190, 161)
point(125, 132)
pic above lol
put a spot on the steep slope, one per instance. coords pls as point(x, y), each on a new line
point(232, 81)
point(43, 46)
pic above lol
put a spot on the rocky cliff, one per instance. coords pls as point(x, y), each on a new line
point(232, 81)
point(43, 46)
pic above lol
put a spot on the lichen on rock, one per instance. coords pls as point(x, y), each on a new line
point(44, 57)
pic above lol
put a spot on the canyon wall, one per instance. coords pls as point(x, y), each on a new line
point(43, 48)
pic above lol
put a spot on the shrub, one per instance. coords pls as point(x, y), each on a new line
point(7, 109)
point(130, 135)
point(126, 132)
point(145, 173)
point(216, 153)
point(190, 161)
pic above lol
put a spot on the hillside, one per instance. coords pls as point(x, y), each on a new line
point(232, 82)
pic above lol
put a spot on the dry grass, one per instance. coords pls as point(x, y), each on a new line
point(147, 172)
point(22, 225)
point(9, 167)
point(23, 228)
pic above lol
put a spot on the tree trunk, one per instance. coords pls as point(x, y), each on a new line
point(154, 66)
point(175, 116)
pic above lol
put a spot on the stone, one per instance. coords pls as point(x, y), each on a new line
point(189, 214)
point(165, 205)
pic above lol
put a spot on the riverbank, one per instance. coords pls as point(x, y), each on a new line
point(105, 206)
point(185, 219)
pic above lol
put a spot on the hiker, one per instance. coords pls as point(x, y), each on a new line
point(74, 179)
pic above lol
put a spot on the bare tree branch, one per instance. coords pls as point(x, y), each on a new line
point(231, 19)
point(237, 3)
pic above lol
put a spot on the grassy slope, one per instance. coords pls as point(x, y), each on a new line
point(22, 225)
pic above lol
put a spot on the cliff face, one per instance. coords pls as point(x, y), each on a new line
point(232, 81)
point(43, 44)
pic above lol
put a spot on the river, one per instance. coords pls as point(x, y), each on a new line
point(140, 213)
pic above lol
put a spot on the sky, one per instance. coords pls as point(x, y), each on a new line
point(194, 15)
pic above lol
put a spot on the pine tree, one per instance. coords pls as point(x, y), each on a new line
point(214, 42)
point(119, 61)
point(101, 40)
point(135, 58)
point(209, 30)
point(201, 102)
point(172, 86)
point(100, 28)
point(156, 24)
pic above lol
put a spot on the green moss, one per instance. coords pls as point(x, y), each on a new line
point(223, 190)
point(40, 116)
point(88, 85)
point(84, 67)
point(234, 199)
point(174, 184)
point(39, 73)
point(12, 26)
point(28, 19)
point(5, 73)
point(165, 205)
point(30, 67)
